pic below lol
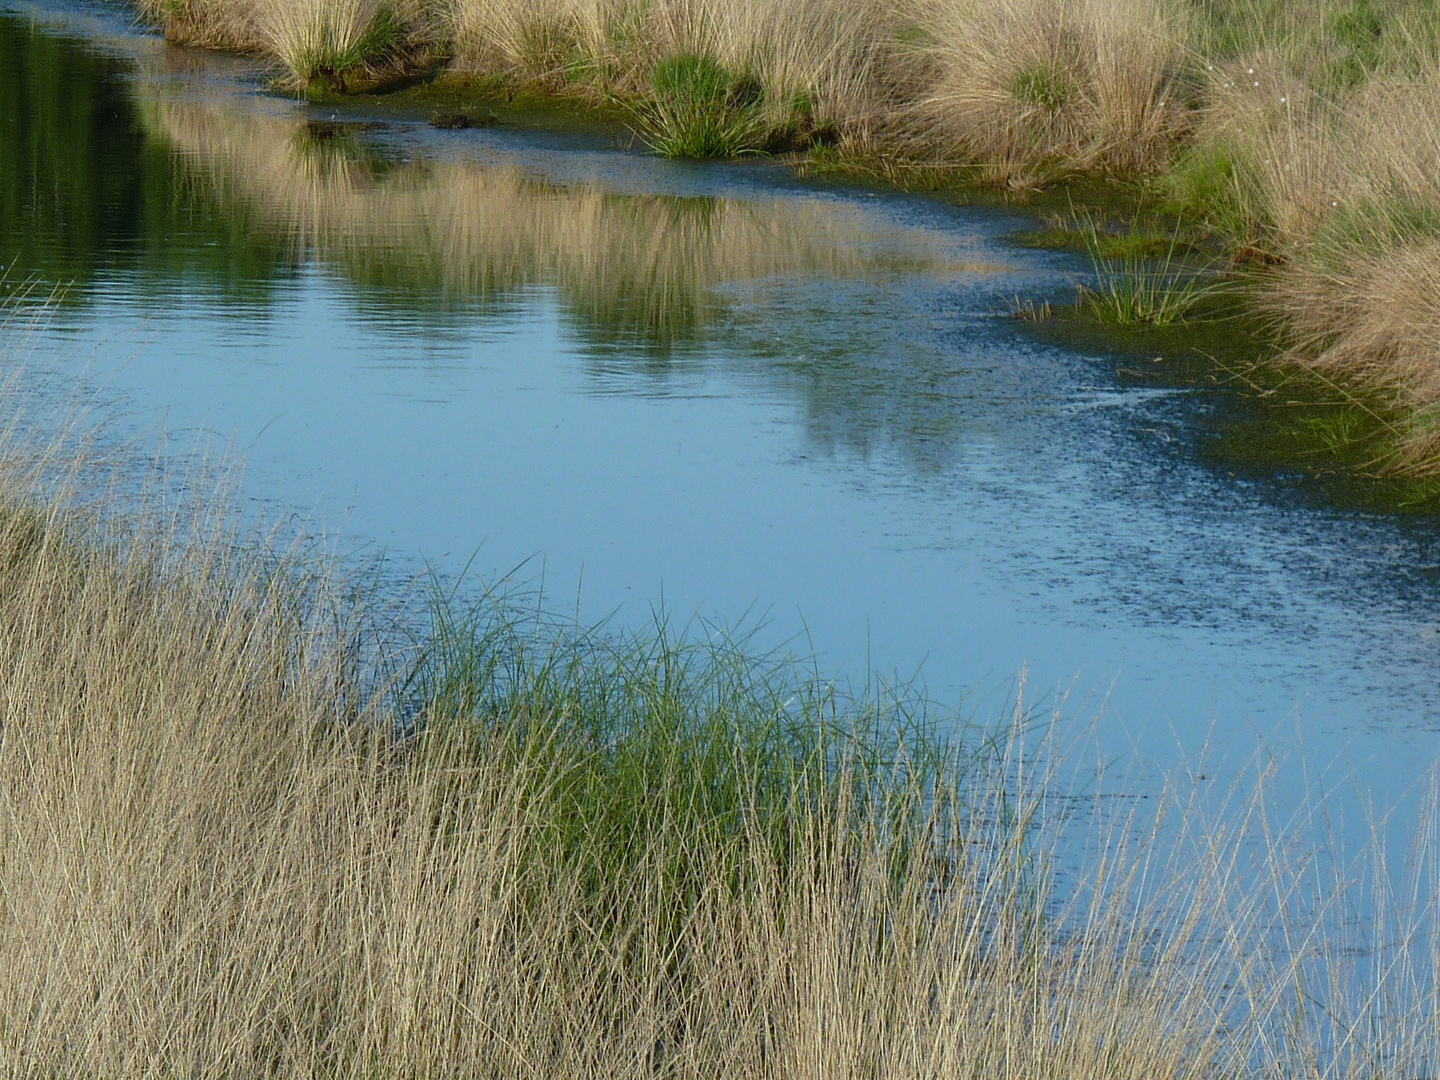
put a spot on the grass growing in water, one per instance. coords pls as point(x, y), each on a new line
point(1135, 289)
point(575, 854)
point(671, 755)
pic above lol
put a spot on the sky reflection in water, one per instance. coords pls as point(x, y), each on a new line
point(709, 386)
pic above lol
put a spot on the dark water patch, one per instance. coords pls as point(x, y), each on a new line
point(85, 193)
point(1293, 432)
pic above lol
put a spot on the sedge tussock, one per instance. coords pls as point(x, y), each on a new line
point(1031, 87)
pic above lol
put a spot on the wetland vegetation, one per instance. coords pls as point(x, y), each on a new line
point(259, 818)
point(259, 821)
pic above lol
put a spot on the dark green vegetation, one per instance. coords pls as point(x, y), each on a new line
point(697, 109)
point(1284, 429)
point(674, 753)
point(83, 189)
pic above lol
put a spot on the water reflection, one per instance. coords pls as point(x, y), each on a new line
point(634, 271)
point(85, 190)
point(145, 178)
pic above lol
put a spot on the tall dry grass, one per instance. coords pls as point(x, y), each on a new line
point(825, 58)
point(217, 24)
point(1028, 89)
point(223, 852)
point(311, 44)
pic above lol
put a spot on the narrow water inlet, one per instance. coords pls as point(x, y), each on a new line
point(713, 388)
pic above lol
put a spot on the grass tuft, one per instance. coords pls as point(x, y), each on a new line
point(1139, 290)
point(697, 109)
point(1043, 86)
point(322, 43)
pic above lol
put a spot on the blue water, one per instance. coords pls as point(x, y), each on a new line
point(829, 428)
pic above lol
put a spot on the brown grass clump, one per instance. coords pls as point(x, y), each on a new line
point(314, 44)
point(1031, 88)
point(1360, 297)
point(216, 24)
point(1373, 323)
point(817, 63)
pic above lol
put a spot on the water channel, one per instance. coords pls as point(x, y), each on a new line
point(744, 396)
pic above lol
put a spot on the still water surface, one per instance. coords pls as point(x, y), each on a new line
point(715, 388)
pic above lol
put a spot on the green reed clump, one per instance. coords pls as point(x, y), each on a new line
point(324, 45)
point(1044, 86)
point(670, 756)
point(698, 109)
point(1136, 289)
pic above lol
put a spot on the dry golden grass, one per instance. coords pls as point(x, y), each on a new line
point(218, 859)
point(1348, 192)
point(1033, 88)
point(824, 59)
point(218, 24)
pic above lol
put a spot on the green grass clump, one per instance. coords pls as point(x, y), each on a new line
point(697, 109)
point(1135, 289)
point(326, 56)
point(1043, 86)
point(1207, 185)
point(1355, 33)
point(668, 756)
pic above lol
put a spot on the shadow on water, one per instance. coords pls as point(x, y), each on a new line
point(87, 191)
